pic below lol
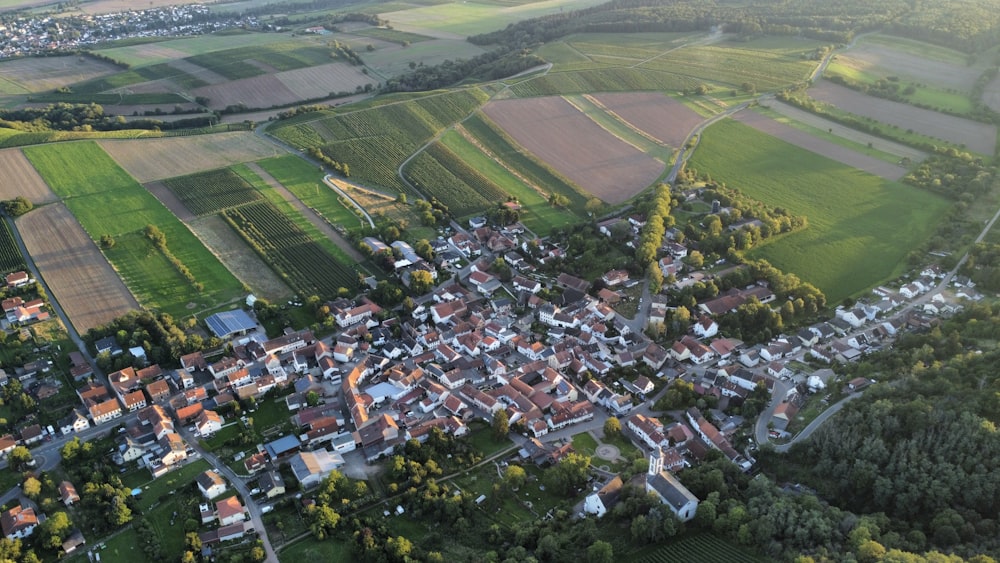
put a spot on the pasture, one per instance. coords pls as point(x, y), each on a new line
point(976, 137)
point(239, 258)
point(861, 227)
point(155, 159)
point(575, 146)
point(106, 200)
point(87, 287)
point(21, 179)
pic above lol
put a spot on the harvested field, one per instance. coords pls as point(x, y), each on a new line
point(813, 120)
point(21, 178)
point(48, 73)
point(87, 288)
point(287, 87)
point(866, 56)
point(977, 137)
point(576, 146)
point(819, 146)
point(319, 81)
point(257, 92)
point(239, 258)
point(666, 119)
point(209, 76)
point(155, 159)
point(991, 97)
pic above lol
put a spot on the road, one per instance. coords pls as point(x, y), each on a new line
point(817, 422)
point(328, 180)
point(687, 152)
point(256, 516)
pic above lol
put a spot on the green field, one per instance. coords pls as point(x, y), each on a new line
point(311, 549)
point(209, 192)
point(536, 212)
point(439, 173)
point(861, 227)
point(232, 63)
point(375, 141)
point(700, 548)
point(306, 182)
point(138, 55)
point(470, 18)
point(106, 200)
point(938, 99)
point(391, 35)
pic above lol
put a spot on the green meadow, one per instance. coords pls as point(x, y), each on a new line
point(106, 200)
point(860, 227)
point(306, 182)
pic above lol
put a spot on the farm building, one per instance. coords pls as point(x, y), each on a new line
point(230, 323)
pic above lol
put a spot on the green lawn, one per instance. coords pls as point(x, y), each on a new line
point(482, 439)
point(179, 478)
point(311, 549)
point(106, 200)
point(584, 444)
point(306, 182)
point(123, 548)
point(536, 213)
point(861, 227)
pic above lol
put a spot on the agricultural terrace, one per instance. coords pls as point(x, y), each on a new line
point(700, 548)
point(977, 137)
point(461, 19)
point(860, 227)
point(822, 147)
point(535, 173)
point(155, 159)
point(305, 265)
point(374, 142)
point(577, 147)
point(10, 255)
point(306, 182)
point(21, 179)
point(107, 201)
point(87, 287)
point(537, 213)
point(284, 88)
point(38, 74)
point(663, 118)
point(209, 192)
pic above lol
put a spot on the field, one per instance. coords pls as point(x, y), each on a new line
point(375, 141)
point(860, 227)
point(21, 179)
point(663, 118)
point(305, 265)
point(617, 79)
point(40, 74)
point(239, 258)
point(977, 137)
point(209, 192)
point(451, 19)
point(820, 146)
point(155, 159)
point(575, 146)
point(437, 172)
point(311, 549)
point(306, 182)
point(863, 73)
point(86, 286)
point(10, 255)
point(106, 200)
point(284, 88)
point(991, 97)
point(697, 549)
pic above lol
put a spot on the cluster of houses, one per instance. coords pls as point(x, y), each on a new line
point(20, 522)
point(229, 514)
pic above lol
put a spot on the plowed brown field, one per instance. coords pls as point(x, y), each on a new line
point(892, 62)
point(80, 278)
point(284, 88)
point(21, 178)
point(38, 74)
point(663, 118)
point(574, 145)
point(155, 159)
point(978, 137)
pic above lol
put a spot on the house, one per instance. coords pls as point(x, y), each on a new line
point(67, 493)
point(600, 502)
point(705, 327)
point(271, 484)
point(230, 511)
point(615, 277)
point(7, 444)
point(522, 283)
point(75, 421)
point(310, 468)
point(18, 522)
point(194, 361)
point(211, 484)
point(17, 279)
point(73, 542)
point(208, 423)
point(670, 491)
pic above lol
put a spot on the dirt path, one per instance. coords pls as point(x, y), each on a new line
point(309, 214)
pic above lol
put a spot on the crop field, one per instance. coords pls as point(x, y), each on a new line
point(138, 76)
point(977, 137)
point(578, 148)
point(237, 256)
point(305, 265)
point(859, 72)
point(820, 146)
point(285, 88)
point(888, 61)
point(249, 61)
point(617, 79)
point(701, 548)
point(618, 127)
point(155, 159)
point(661, 117)
point(534, 172)
point(537, 213)
point(210, 192)
point(87, 287)
point(374, 142)
point(390, 59)
point(991, 96)
point(39, 74)
point(391, 35)
point(470, 18)
point(143, 54)
point(10, 255)
point(439, 173)
point(106, 200)
point(860, 227)
point(21, 179)
point(306, 182)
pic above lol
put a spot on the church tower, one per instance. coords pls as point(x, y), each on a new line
point(655, 463)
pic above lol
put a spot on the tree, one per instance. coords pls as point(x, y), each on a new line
point(612, 427)
point(257, 553)
point(593, 205)
point(312, 398)
point(32, 487)
point(107, 241)
point(19, 458)
point(17, 206)
point(54, 529)
point(514, 477)
point(569, 474)
point(600, 552)
point(501, 425)
point(421, 281)
point(558, 200)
